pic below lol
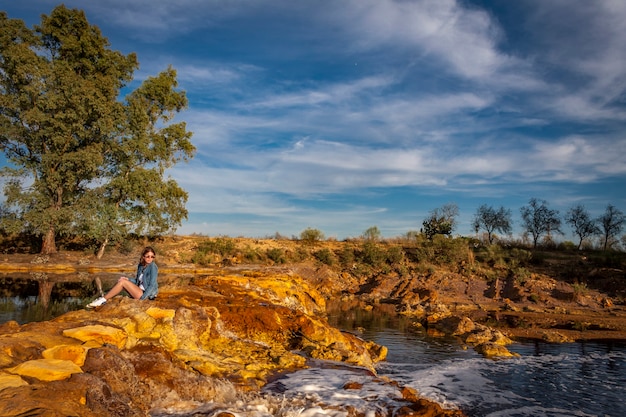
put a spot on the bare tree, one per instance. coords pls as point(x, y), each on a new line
point(492, 220)
point(538, 219)
point(611, 223)
point(582, 223)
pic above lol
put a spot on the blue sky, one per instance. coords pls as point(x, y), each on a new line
point(346, 114)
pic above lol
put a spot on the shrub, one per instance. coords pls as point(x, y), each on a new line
point(395, 255)
point(442, 250)
point(223, 246)
point(567, 246)
point(371, 254)
point(311, 236)
point(252, 255)
point(521, 275)
point(277, 255)
point(347, 257)
point(372, 233)
point(325, 256)
point(300, 254)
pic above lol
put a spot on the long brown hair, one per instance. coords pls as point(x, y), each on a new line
point(147, 249)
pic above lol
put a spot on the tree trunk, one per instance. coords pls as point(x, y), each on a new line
point(49, 243)
point(45, 291)
point(102, 248)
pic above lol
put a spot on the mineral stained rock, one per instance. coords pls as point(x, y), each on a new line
point(128, 356)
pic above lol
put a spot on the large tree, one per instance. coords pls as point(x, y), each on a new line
point(67, 135)
point(611, 223)
point(581, 222)
point(538, 219)
point(136, 196)
point(492, 220)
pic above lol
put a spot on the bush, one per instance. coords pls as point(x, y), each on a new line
point(252, 255)
point(311, 236)
point(277, 255)
point(223, 246)
point(300, 254)
point(347, 257)
point(372, 255)
point(444, 251)
point(325, 256)
point(395, 255)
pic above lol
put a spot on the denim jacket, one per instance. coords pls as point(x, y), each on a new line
point(150, 273)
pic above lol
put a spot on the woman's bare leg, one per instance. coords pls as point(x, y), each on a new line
point(124, 284)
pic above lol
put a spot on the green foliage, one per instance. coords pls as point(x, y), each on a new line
point(444, 251)
point(371, 254)
point(395, 255)
point(608, 259)
point(568, 246)
point(214, 250)
point(251, 255)
point(311, 236)
point(372, 233)
point(277, 255)
point(442, 221)
point(126, 247)
point(498, 257)
point(300, 254)
point(347, 257)
point(86, 163)
point(223, 246)
point(325, 256)
point(521, 275)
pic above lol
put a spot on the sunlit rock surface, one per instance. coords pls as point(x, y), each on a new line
point(131, 357)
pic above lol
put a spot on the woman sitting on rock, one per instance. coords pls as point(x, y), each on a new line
point(144, 286)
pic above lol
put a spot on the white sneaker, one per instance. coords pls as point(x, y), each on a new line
point(97, 302)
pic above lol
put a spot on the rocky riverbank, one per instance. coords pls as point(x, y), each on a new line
point(218, 333)
point(213, 337)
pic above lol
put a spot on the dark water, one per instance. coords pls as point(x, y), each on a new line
point(29, 309)
point(33, 297)
point(574, 379)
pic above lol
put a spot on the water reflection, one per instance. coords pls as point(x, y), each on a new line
point(41, 296)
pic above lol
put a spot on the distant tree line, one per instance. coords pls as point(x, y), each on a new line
point(537, 220)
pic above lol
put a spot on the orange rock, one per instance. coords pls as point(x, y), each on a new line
point(98, 333)
point(11, 381)
point(46, 369)
point(74, 353)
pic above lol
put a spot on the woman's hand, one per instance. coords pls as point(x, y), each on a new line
point(122, 279)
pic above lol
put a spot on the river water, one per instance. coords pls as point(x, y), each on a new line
point(573, 379)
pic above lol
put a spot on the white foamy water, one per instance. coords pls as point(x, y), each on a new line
point(553, 380)
point(573, 379)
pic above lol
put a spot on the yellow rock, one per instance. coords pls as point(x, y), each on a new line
point(46, 369)
point(74, 353)
point(10, 381)
point(98, 333)
point(492, 350)
point(160, 313)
